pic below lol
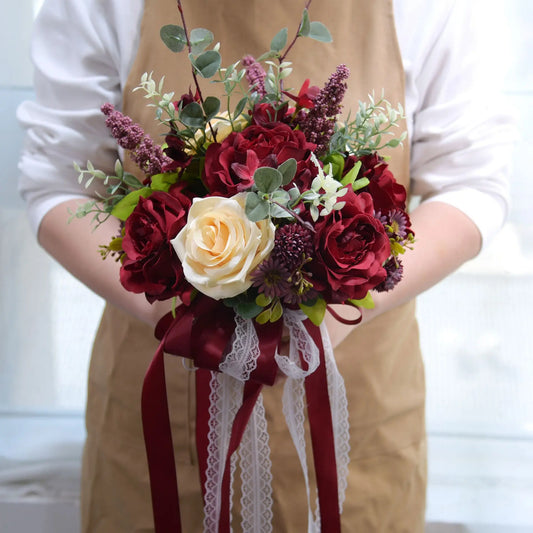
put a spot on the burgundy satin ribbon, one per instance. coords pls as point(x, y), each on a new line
point(203, 332)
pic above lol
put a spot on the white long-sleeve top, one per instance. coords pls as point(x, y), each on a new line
point(460, 137)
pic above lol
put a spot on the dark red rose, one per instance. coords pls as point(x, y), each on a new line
point(351, 246)
point(386, 192)
point(265, 114)
point(230, 165)
point(151, 264)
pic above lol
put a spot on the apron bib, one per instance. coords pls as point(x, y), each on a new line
point(380, 361)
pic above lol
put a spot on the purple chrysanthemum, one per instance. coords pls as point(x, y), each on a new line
point(255, 75)
point(394, 270)
point(271, 278)
point(293, 243)
point(130, 136)
point(319, 124)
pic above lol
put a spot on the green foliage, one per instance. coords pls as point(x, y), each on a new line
point(366, 303)
point(207, 64)
point(315, 311)
point(174, 37)
point(124, 208)
point(279, 42)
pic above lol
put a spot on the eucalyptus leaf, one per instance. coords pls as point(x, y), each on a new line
point(124, 208)
point(281, 197)
point(319, 32)
point(207, 63)
point(192, 115)
point(248, 309)
point(174, 37)
point(256, 208)
point(288, 170)
point(211, 107)
point(305, 26)
point(267, 179)
point(278, 212)
point(279, 41)
point(200, 39)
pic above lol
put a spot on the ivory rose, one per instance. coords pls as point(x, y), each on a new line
point(219, 246)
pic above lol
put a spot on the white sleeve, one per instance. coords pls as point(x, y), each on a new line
point(81, 51)
point(462, 135)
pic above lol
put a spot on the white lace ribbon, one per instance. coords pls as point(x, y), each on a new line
point(225, 400)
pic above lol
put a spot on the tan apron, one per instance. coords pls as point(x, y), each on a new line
point(380, 361)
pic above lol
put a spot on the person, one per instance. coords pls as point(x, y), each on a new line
point(87, 52)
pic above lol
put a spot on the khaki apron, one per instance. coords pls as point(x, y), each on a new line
point(380, 361)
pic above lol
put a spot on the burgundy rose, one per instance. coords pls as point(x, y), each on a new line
point(351, 246)
point(230, 165)
point(151, 264)
point(386, 192)
point(265, 114)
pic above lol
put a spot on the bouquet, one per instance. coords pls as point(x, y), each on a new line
point(253, 220)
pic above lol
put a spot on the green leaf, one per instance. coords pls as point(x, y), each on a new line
point(360, 184)
point(200, 39)
point(174, 37)
point(334, 163)
point(278, 212)
point(277, 312)
point(288, 170)
point(366, 303)
point(263, 300)
point(315, 312)
point(248, 309)
point(305, 26)
point(319, 32)
point(351, 176)
point(256, 208)
point(131, 181)
point(239, 107)
point(207, 63)
point(163, 182)
point(211, 107)
point(279, 41)
point(267, 179)
point(192, 115)
point(264, 317)
point(124, 208)
point(271, 54)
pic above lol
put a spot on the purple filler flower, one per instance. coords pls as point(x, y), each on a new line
point(319, 124)
point(130, 136)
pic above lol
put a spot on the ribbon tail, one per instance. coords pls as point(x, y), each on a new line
point(250, 395)
point(322, 438)
point(159, 448)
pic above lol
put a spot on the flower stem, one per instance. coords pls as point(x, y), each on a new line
point(194, 76)
point(289, 48)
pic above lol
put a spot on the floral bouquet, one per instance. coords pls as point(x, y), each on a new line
point(253, 220)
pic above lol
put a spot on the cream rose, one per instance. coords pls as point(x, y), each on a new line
point(219, 246)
